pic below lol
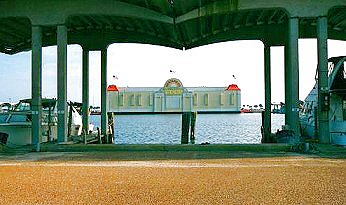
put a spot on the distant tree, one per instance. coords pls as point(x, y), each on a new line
point(260, 105)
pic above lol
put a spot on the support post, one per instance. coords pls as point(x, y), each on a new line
point(104, 122)
point(322, 49)
point(292, 77)
point(85, 92)
point(267, 94)
point(62, 82)
point(36, 87)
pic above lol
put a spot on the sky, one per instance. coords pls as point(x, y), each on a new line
point(139, 65)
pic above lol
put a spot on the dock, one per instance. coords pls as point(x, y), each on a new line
point(173, 174)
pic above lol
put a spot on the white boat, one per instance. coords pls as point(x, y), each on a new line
point(337, 104)
point(5, 107)
point(15, 125)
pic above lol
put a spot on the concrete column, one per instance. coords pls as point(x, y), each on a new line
point(85, 96)
point(267, 94)
point(62, 82)
point(104, 122)
point(36, 86)
point(322, 37)
point(292, 76)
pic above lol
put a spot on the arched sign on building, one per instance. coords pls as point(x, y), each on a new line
point(173, 82)
point(173, 86)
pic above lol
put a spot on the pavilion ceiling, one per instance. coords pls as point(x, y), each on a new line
point(178, 24)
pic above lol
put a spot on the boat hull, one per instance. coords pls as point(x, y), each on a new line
point(338, 132)
point(334, 101)
point(20, 133)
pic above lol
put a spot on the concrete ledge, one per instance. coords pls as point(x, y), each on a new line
point(111, 152)
point(167, 148)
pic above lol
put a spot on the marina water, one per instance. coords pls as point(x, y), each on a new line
point(213, 128)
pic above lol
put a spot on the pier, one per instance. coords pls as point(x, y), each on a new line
point(173, 174)
point(94, 25)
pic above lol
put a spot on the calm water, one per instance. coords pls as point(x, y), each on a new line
point(212, 128)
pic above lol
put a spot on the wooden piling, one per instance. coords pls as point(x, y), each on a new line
point(110, 134)
point(185, 127)
point(85, 138)
point(69, 125)
point(264, 137)
point(99, 136)
point(193, 124)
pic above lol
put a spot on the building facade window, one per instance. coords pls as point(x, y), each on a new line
point(121, 99)
point(222, 99)
point(206, 99)
point(151, 99)
point(139, 100)
point(232, 99)
point(195, 99)
point(132, 100)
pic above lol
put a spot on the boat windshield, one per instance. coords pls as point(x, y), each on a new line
point(3, 117)
point(22, 107)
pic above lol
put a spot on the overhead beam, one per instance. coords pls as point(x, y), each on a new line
point(91, 39)
point(57, 11)
point(214, 8)
point(117, 8)
point(272, 35)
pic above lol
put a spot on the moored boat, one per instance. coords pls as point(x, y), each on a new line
point(16, 125)
point(336, 104)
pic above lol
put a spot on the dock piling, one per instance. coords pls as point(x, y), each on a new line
point(193, 124)
point(186, 116)
point(110, 133)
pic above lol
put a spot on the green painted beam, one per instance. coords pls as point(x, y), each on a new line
point(214, 8)
point(56, 11)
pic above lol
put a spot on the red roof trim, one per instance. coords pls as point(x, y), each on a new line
point(112, 88)
point(233, 87)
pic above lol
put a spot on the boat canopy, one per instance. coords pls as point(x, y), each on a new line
point(46, 102)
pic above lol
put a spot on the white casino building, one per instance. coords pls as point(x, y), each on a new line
point(173, 97)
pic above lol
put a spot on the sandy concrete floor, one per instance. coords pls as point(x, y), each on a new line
point(280, 180)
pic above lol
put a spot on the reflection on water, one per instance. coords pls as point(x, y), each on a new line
point(212, 128)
